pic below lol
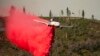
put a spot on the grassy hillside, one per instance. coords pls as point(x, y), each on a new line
point(81, 40)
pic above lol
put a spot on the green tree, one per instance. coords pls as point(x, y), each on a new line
point(92, 16)
point(24, 10)
point(50, 14)
point(83, 14)
point(12, 7)
point(68, 12)
point(62, 13)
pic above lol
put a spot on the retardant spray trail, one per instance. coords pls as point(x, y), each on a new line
point(27, 34)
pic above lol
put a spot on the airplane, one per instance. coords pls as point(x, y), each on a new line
point(50, 23)
point(53, 23)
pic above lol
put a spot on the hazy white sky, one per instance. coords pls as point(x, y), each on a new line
point(43, 7)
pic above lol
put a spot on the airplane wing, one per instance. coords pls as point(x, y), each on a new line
point(64, 26)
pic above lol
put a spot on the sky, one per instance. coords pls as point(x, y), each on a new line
point(42, 7)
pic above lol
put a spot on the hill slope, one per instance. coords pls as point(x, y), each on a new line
point(81, 40)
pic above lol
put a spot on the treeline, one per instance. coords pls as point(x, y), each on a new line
point(68, 13)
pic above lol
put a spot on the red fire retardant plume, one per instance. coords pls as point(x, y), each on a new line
point(26, 33)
